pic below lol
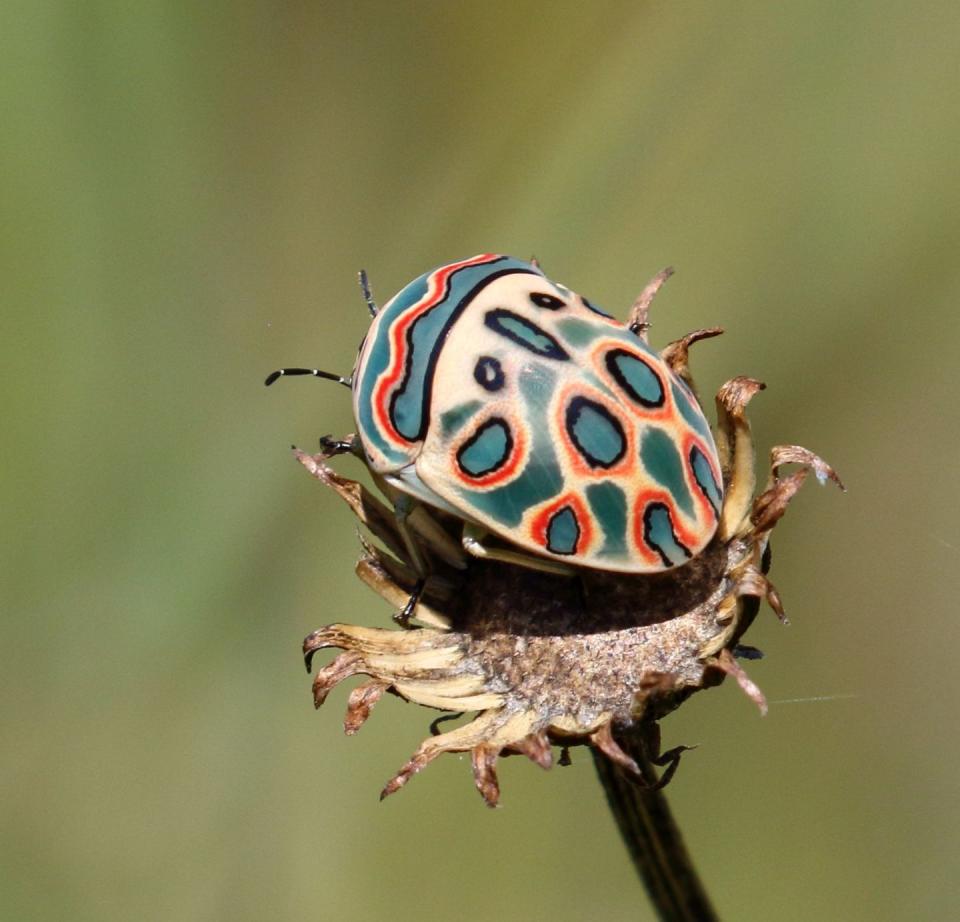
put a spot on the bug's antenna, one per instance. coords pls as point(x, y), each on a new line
point(367, 294)
point(316, 372)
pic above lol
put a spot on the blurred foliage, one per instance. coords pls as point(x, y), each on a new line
point(188, 190)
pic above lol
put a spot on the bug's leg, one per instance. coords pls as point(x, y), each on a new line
point(395, 583)
point(648, 739)
point(473, 544)
point(435, 538)
point(332, 447)
point(403, 616)
point(421, 531)
point(402, 508)
point(669, 760)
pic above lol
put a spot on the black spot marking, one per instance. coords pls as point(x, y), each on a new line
point(595, 432)
point(488, 373)
point(563, 531)
point(487, 450)
point(638, 380)
point(654, 517)
point(523, 333)
point(550, 302)
point(704, 479)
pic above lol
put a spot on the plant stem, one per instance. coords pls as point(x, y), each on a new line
point(652, 837)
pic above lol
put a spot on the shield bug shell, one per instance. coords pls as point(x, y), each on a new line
point(487, 390)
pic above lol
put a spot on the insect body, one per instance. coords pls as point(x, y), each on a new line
point(487, 390)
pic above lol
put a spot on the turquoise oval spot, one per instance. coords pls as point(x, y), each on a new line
point(595, 432)
point(659, 535)
point(638, 380)
point(703, 475)
point(521, 331)
point(487, 449)
point(563, 531)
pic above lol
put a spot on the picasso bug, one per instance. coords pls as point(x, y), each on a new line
point(486, 390)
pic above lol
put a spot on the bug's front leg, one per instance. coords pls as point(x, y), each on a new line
point(421, 533)
point(403, 507)
point(402, 617)
point(331, 447)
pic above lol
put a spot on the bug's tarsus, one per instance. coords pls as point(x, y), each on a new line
point(670, 759)
point(403, 616)
point(315, 372)
point(442, 719)
point(367, 294)
point(331, 446)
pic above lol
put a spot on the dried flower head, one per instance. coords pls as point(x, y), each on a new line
point(543, 659)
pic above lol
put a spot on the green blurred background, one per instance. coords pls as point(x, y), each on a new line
point(187, 192)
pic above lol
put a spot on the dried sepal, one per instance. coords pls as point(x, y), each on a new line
point(676, 354)
point(364, 505)
point(602, 739)
point(535, 746)
point(726, 662)
point(770, 506)
point(735, 448)
point(638, 317)
point(361, 702)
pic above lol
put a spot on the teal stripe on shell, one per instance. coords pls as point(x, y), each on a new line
point(376, 361)
point(591, 380)
point(695, 419)
point(608, 503)
point(411, 401)
point(664, 464)
point(581, 333)
point(452, 421)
